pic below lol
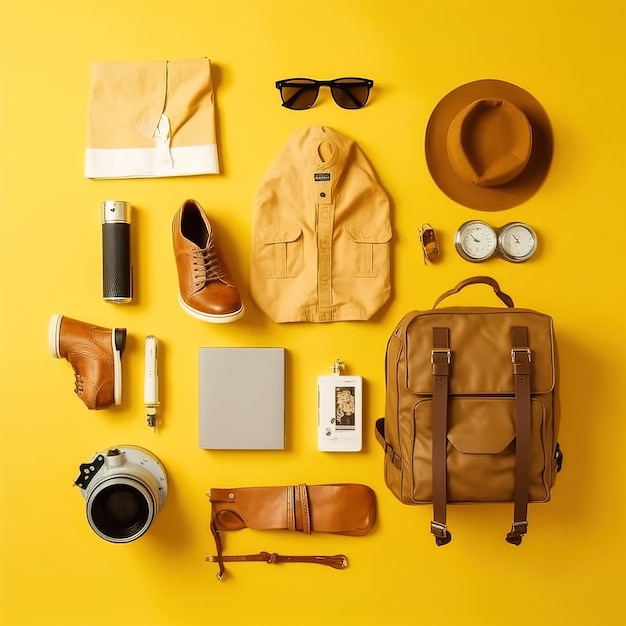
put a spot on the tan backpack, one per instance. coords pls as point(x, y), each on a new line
point(472, 408)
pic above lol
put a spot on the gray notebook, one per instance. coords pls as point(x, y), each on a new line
point(242, 398)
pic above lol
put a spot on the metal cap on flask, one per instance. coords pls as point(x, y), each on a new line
point(116, 211)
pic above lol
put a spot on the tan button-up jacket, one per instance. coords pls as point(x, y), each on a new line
point(321, 233)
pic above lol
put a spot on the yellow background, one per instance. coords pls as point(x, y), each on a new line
point(569, 54)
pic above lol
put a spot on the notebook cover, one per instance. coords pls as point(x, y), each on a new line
point(242, 398)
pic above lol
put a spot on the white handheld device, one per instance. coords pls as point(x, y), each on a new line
point(340, 420)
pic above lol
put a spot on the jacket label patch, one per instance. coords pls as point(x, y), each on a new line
point(321, 177)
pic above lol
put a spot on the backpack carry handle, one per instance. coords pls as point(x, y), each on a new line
point(476, 280)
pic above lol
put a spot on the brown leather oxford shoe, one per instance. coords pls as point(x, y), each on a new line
point(206, 290)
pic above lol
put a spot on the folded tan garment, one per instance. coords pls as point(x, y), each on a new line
point(151, 119)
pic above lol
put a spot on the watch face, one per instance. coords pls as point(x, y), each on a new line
point(475, 241)
point(517, 242)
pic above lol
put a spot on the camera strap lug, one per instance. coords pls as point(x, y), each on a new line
point(88, 471)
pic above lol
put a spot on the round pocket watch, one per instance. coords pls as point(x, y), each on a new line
point(475, 241)
point(517, 242)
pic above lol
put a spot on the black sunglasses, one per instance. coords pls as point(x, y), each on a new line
point(301, 93)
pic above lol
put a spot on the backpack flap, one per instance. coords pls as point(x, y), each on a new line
point(480, 344)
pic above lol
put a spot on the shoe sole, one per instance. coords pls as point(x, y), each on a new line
point(207, 317)
point(54, 331)
point(118, 343)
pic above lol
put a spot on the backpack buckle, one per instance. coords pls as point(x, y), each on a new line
point(445, 351)
point(514, 351)
point(517, 532)
point(441, 533)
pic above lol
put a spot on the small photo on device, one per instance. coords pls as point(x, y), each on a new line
point(344, 408)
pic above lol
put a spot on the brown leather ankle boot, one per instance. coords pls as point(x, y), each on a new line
point(206, 290)
point(95, 353)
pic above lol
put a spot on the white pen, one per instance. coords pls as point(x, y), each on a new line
point(151, 380)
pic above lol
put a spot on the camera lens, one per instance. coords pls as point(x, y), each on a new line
point(120, 511)
point(125, 488)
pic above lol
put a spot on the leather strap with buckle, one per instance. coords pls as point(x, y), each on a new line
point(521, 360)
point(440, 359)
point(341, 508)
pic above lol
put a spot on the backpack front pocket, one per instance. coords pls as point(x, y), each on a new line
point(480, 449)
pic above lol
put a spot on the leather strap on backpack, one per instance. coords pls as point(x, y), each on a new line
point(521, 359)
point(440, 359)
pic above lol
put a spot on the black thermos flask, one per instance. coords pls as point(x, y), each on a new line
point(117, 282)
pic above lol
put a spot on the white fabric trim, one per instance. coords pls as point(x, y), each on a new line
point(151, 162)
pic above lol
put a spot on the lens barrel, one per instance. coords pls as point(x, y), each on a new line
point(124, 487)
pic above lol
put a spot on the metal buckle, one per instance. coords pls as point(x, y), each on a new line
point(514, 351)
point(434, 351)
point(438, 529)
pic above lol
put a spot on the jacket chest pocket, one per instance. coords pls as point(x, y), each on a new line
point(279, 250)
point(366, 250)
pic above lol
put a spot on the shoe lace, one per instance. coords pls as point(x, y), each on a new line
point(206, 265)
point(78, 383)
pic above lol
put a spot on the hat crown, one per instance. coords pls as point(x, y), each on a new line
point(489, 142)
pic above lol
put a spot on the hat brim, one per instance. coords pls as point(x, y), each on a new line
point(488, 198)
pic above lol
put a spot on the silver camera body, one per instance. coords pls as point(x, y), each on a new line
point(124, 488)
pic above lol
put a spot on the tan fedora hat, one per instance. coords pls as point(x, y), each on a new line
point(488, 145)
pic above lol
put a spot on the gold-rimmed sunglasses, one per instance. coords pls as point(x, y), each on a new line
point(301, 93)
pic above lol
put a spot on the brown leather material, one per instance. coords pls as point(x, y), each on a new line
point(338, 561)
point(206, 289)
point(502, 414)
point(487, 280)
point(90, 351)
point(440, 360)
point(521, 357)
point(344, 509)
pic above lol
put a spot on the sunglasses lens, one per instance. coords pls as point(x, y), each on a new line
point(350, 93)
point(299, 93)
